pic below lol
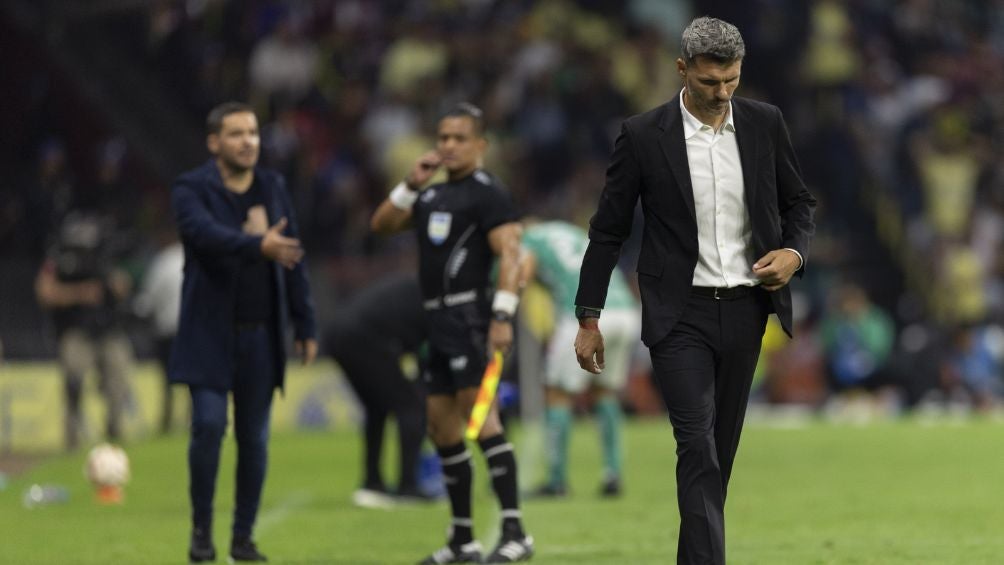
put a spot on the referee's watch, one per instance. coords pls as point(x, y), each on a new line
point(502, 316)
point(584, 312)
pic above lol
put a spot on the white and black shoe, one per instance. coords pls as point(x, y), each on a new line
point(465, 553)
point(372, 498)
point(511, 550)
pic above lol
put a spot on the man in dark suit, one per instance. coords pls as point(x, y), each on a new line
point(727, 223)
point(243, 283)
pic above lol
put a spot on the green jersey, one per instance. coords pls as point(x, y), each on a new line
point(559, 248)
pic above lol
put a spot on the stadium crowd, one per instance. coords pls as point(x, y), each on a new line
point(894, 107)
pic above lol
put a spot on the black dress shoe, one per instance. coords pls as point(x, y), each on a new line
point(243, 549)
point(201, 549)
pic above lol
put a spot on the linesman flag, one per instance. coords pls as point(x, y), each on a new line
point(486, 395)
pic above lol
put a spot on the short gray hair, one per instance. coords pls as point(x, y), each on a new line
point(712, 38)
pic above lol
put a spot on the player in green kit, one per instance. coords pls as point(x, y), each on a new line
point(552, 255)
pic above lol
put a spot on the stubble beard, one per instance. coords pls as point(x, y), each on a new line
point(235, 167)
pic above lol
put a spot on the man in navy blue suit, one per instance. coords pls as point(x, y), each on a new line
point(244, 282)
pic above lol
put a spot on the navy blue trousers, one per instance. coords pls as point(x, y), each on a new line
point(252, 388)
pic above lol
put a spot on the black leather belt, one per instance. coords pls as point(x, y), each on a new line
point(722, 293)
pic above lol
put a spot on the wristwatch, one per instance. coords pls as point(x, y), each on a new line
point(500, 316)
point(584, 312)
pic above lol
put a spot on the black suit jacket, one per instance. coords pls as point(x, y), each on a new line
point(650, 161)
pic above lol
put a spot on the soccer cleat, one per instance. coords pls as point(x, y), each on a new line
point(243, 549)
point(611, 488)
point(201, 548)
point(511, 550)
point(549, 490)
point(466, 553)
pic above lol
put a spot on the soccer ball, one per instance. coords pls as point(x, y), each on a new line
point(107, 465)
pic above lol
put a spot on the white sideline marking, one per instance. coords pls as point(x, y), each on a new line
point(281, 511)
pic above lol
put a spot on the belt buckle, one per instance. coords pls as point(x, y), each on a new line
point(716, 294)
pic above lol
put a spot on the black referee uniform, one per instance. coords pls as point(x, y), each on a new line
point(452, 221)
point(462, 226)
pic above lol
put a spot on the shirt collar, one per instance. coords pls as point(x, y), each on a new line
point(691, 125)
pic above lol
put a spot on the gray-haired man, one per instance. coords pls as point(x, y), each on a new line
point(727, 223)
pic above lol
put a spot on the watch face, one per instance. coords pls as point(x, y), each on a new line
point(500, 316)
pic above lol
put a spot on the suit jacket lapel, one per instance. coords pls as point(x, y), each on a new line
point(674, 147)
point(746, 140)
point(273, 208)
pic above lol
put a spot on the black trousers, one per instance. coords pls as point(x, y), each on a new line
point(373, 370)
point(704, 368)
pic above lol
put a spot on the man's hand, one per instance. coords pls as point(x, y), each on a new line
point(776, 268)
point(307, 349)
point(284, 250)
point(120, 284)
point(499, 337)
point(53, 293)
point(257, 220)
point(422, 170)
point(589, 346)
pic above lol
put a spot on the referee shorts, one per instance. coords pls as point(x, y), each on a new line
point(458, 343)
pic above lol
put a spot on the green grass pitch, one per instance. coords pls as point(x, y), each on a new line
point(887, 493)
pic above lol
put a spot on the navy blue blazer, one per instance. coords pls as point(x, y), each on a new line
point(649, 162)
point(209, 222)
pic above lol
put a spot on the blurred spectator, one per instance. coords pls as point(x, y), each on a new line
point(915, 364)
point(949, 167)
point(48, 198)
point(159, 300)
point(282, 65)
point(83, 289)
point(112, 192)
point(958, 292)
point(972, 367)
point(857, 337)
point(831, 57)
point(795, 371)
point(417, 55)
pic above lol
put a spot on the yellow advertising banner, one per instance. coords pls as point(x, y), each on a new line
point(32, 405)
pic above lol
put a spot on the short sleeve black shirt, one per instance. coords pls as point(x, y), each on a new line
point(452, 221)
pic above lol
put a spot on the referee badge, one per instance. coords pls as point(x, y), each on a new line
point(439, 227)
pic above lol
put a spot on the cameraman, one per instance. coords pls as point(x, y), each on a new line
point(86, 294)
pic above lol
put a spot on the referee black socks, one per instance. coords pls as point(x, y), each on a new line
point(457, 472)
point(501, 463)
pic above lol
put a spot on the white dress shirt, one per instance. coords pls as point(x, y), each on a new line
point(725, 256)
